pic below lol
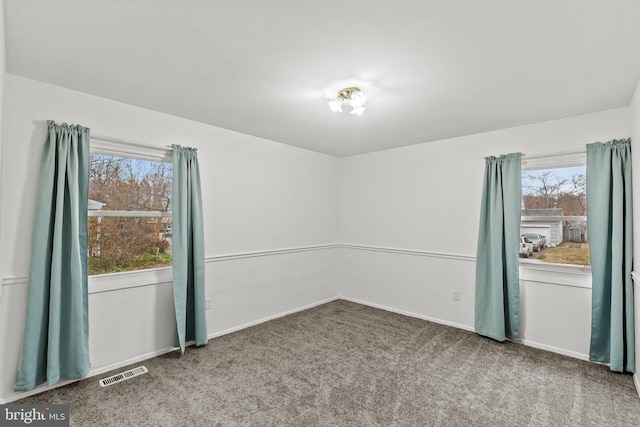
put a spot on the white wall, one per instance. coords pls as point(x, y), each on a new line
point(269, 208)
point(408, 219)
point(412, 215)
point(2, 74)
point(635, 156)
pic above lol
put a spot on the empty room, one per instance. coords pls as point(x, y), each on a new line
point(307, 213)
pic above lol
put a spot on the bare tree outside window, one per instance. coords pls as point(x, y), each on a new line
point(129, 214)
point(556, 188)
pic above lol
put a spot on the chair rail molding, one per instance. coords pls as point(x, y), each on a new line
point(432, 254)
point(155, 276)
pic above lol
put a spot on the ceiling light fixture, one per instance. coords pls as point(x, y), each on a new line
point(353, 96)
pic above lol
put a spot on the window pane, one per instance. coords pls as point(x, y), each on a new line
point(125, 244)
point(559, 188)
point(126, 184)
point(555, 193)
point(118, 243)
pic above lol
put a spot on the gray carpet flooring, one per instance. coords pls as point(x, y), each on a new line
point(344, 364)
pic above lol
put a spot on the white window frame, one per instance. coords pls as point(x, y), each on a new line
point(129, 279)
point(544, 272)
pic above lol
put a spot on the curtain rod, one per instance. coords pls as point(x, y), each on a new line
point(545, 156)
point(122, 141)
point(566, 153)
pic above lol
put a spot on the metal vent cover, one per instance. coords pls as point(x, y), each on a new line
point(123, 376)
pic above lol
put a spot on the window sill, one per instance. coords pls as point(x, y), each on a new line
point(129, 279)
point(556, 274)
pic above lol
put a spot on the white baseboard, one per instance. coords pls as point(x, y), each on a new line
point(533, 344)
point(101, 370)
point(268, 318)
point(160, 352)
point(636, 382)
point(558, 350)
point(92, 373)
point(410, 314)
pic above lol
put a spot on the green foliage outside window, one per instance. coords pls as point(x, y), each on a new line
point(124, 244)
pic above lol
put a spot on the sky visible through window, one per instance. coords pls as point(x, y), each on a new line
point(531, 178)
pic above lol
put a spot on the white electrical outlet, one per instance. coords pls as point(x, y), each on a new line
point(456, 295)
point(207, 304)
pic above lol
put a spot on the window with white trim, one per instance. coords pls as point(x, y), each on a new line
point(129, 212)
point(554, 210)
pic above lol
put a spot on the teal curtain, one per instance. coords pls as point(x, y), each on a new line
point(497, 277)
point(610, 231)
point(56, 342)
point(188, 248)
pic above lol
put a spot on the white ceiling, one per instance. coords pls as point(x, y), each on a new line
point(432, 69)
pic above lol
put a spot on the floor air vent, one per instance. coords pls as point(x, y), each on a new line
point(123, 376)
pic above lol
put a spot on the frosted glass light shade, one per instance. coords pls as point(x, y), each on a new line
point(336, 105)
point(358, 99)
point(353, 96)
